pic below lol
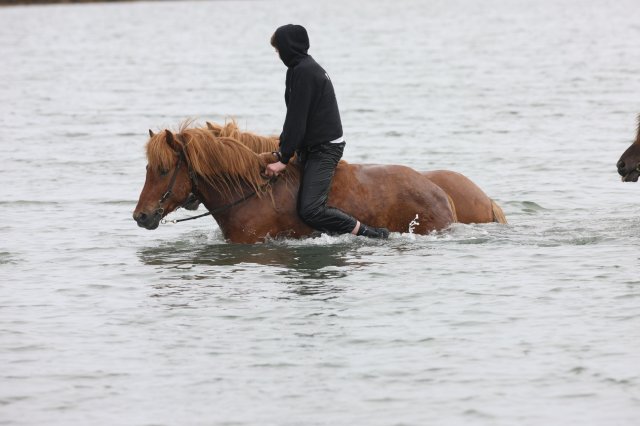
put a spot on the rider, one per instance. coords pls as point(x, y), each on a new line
point(313, 128)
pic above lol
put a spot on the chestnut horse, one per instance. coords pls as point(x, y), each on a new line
point(225, 174)
point(629, 163)
point(471, 204)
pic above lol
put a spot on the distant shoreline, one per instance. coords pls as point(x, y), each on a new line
point(36, 2)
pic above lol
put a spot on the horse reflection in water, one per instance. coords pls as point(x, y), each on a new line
point(223, 166)
point(629, 163)
point(305, 269)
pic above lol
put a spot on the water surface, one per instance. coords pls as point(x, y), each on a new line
point(532, 323)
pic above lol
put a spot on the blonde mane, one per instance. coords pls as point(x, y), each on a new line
point(223, 162)
point(254, 142)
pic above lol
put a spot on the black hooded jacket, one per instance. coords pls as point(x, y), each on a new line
point(312, 110)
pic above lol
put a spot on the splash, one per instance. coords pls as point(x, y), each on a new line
point(413, 224)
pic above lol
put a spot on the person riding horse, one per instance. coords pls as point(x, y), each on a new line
point(313, 129)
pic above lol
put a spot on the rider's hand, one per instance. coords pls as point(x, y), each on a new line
point(274, 169)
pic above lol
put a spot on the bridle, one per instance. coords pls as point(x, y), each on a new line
point(193, 177)
point(169, 191)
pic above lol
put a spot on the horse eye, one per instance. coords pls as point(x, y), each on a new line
point(163, 172)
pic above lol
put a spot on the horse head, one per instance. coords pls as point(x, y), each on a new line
point(168, 184)
point(629, 163)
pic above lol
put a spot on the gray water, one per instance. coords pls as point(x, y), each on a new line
point(532, 323)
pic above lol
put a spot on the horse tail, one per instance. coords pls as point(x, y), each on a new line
point(498, 214)
point(453, 209)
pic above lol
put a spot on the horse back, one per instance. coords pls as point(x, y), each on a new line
point(390, 196)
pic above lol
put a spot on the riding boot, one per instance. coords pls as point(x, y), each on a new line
point(371, 232)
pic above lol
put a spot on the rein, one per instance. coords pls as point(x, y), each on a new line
point(214, 211)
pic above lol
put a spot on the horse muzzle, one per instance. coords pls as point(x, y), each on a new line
point(148, 221)
point(628, 174)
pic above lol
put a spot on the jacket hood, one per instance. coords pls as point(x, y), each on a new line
point(292, 42)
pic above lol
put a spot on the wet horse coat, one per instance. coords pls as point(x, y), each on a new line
point(221, 170)
point(471, 204)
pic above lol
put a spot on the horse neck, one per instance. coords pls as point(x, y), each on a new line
point(215, 199)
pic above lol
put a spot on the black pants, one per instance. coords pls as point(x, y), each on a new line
point(319, 165)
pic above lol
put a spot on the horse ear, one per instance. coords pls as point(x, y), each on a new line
point(210, 126)
point(151, 134)
point(171, 140)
